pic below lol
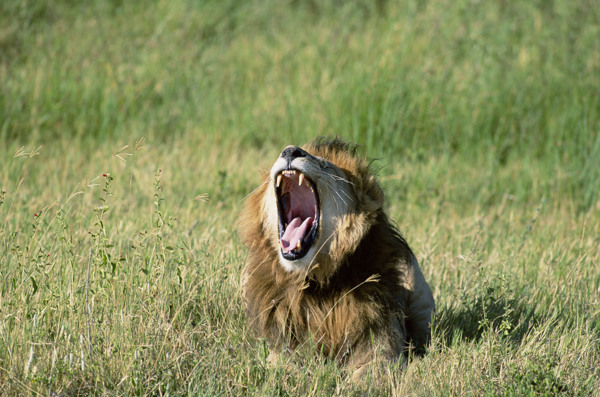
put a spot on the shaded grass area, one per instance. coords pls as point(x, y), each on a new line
point(133, 130)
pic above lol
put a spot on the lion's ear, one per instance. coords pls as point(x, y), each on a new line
point(370, 195)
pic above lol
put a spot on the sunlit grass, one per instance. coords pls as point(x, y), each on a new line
point(132, 132)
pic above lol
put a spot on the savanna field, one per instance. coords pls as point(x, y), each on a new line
point(131, 131)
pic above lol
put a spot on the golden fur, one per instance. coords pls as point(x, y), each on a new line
point(358, 293)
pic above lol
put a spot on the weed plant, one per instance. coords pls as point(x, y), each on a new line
point(132, 131)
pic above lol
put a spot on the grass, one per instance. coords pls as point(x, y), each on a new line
point(132, 131)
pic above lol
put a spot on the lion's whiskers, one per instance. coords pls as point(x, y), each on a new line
point(329, 185)
point(341, 179)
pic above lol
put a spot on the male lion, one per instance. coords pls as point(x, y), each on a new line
point(325, 264)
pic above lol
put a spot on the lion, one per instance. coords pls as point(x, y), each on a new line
point(326, 268)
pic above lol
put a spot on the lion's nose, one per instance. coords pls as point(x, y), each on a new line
point(292, 152)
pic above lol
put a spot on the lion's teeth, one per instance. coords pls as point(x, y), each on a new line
point(298, 245)
point(279, 177)
point(300, 179)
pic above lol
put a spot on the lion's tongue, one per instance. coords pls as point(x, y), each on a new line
point(295, 232)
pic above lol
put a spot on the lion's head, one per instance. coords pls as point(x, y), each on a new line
point(314, 207)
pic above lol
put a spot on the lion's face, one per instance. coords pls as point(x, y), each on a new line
point(312, 210)
point(307, 202)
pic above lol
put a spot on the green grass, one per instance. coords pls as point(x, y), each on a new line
point(484, 120)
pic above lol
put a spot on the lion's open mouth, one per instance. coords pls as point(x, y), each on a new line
point(298, 208)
